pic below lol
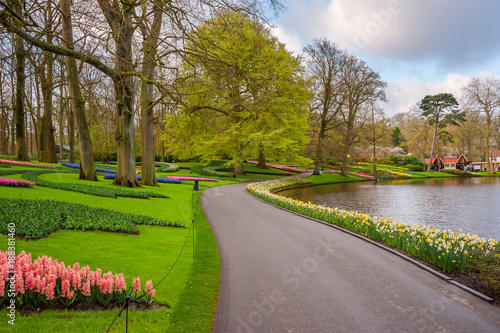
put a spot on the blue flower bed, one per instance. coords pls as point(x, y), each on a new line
point(105, 170)
point(160, 180)
point(73, 165)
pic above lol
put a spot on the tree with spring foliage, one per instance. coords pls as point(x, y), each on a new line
point(244, 92)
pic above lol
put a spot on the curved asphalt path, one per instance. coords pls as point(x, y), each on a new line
point(284, 273)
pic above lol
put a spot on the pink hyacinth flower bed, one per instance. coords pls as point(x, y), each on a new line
point(192, 178)
point(47, 281)
point(351, 173)
point(281, 167)
point(26, 164)
point(15, 183)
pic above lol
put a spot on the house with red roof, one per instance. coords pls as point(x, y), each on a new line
point(449, 162)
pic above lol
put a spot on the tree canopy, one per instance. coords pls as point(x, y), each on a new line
point(243, 91)
point(441, 111)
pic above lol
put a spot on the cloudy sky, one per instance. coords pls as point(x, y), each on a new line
point(419, 47)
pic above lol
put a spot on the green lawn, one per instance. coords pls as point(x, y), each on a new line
point(192, 284)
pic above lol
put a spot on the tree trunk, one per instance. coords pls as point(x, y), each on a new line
point(3, 120)
point(488, 134)
point(61, 120)
point(22, 152)
point(13, 137)
point(47, 141)
point(120, 18)
point(71, 136)
point(262, 158)
point(150, 41)
point(347, 145)
point(87, 166)
point(432, 147)
point(125, 174)
point(238, 163)
point(319, 149)
point(148, 175)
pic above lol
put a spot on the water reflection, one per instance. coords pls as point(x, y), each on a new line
point(470, 204)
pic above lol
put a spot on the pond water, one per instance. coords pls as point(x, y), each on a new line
point(470, 204)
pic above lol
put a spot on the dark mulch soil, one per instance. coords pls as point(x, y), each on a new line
point(93, 306)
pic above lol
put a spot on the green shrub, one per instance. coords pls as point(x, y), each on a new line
point(168, 167)
point(210, 169)
point(87, 189)
point(39, 218)
point(391, 160)
point(412, 159)
point(414, 167)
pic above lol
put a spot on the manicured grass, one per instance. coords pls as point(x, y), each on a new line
point(197, 304)
point(149, 256)
point(487, 174)
point(331, 178)
point(437, 174)
point(190, 291)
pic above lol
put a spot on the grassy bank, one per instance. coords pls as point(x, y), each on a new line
point(187, 296)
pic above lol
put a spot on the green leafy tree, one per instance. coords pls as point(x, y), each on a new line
point(397, 137)
point(441, 110)
point(245, 93)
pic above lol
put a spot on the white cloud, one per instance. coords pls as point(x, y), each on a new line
point(452, 33)
point(406, 93)
point(420, 47)
point(292, 41)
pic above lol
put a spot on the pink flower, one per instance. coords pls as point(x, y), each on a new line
point(65, 288)
point(19, 284)
point(119, 283)
point(86, 288)
point(106, 284)
point(25, 163)
point(49, 291)
point(149, 288)
point(137, 285)
point(192, 178)
point(30, 283)
point(77, 280)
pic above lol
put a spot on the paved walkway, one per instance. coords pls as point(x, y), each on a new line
point(285, 273)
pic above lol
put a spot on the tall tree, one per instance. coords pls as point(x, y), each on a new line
point(441, 110)
point(150, 35)
point(45, 71)
point(362, 86)
point(87, 166)
point(20, 52)
point(325, 63)
point(397, 137)
point(246, 91)
point(483, 94)
point(376, 130)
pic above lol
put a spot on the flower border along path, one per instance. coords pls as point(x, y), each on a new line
point(444, 248)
